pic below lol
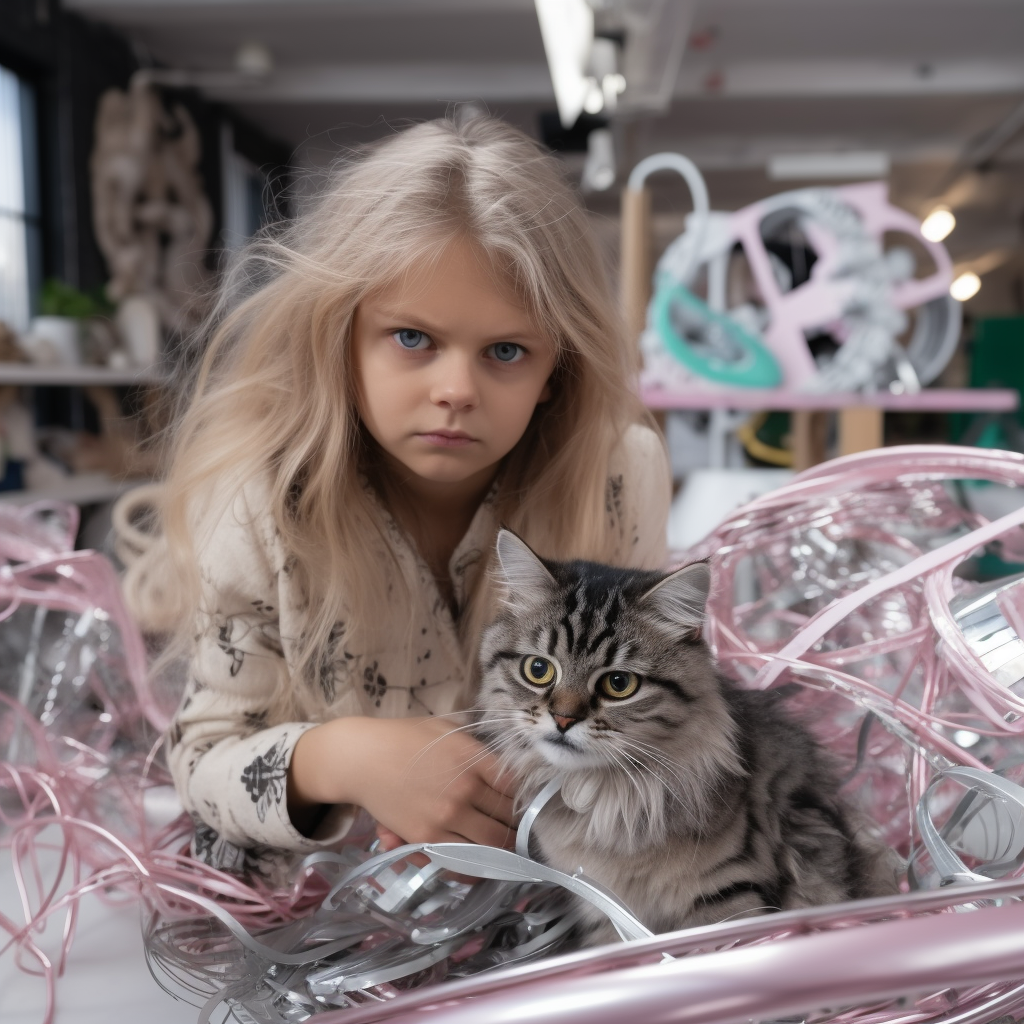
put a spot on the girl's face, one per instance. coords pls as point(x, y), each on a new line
point(449, 368)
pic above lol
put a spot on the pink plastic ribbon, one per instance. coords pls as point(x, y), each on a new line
point(874, 682)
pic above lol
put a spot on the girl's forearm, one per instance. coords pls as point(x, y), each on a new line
point(326, 766)
point(421, 778)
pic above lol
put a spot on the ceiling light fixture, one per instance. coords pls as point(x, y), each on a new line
point(599, 169)
point(253, 58)
point(594, 102)
point(567, 28)
point(828, 165)
point(938, 224)
point(965, 287)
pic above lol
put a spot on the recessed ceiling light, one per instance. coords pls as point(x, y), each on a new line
point(965, 287)
point(938, 224)
point(253, 58)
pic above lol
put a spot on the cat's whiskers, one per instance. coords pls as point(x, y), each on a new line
point(691, 790)
point(501, 746)
point(508, 750)
point(711, 780)
point(467, 764)
point(644, 797)
point(617, 755)
point(648, 771)
point(652, 749)
point(672, 767)
point(650, 808)
point(645, 768)
point(461, 728)
point(740, 914)
point(465, 767)
point(457, 714)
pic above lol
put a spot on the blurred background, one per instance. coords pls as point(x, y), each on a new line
point(142, 140)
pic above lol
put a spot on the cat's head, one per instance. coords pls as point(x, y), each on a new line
point(591, 667)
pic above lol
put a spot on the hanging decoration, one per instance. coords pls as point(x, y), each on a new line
point(798, 291)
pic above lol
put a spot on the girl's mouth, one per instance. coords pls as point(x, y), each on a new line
point(447, 438)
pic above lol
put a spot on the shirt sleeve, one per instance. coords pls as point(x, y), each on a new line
point(639, 494)
point(228, 758)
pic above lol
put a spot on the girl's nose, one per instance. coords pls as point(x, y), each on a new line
point(455, 384)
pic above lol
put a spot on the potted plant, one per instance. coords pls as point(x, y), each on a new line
point(55, 335)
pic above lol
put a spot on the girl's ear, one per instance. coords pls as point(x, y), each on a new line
point(681, 598)
point(524, 575)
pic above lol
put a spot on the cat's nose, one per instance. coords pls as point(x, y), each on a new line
point(563, 721)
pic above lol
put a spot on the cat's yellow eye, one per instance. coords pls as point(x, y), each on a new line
point(537, 671)
point(618, 685)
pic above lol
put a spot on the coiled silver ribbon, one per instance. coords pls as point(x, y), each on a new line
point(388, 921)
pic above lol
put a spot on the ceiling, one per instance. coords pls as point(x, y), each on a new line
point(936, 84)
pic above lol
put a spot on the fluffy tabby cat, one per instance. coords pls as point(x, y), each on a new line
point(691, 799)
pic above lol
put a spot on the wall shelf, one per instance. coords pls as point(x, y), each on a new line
point(860, 415)
point(31, 375)
point(756, 399)
point(77, 489)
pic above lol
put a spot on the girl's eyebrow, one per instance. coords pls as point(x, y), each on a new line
point(398, 317)
point(402, 318)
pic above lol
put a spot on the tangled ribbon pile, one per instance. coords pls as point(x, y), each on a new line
point(850, 587)
point(80, 729)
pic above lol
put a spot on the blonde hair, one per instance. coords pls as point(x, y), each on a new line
point(273, 396)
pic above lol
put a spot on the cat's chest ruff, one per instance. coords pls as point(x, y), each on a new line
point(586, 817)
point(659, 881)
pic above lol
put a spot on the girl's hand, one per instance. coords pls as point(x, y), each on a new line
point(422, 781)
point(388, 840)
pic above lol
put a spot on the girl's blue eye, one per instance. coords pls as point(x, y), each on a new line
point(508, 352)
point(408, 338)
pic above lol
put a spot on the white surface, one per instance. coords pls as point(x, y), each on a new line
point(709, 495)
point(106, 981)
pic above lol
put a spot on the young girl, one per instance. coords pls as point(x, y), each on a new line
point(428, 352)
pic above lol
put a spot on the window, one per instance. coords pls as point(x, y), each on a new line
point(244, 210)
point(20, 241)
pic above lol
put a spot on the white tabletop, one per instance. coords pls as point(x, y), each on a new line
point(107, 980)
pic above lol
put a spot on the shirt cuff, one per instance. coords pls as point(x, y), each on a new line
point(240, 788)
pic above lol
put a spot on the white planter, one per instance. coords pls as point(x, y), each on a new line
point(55, 339)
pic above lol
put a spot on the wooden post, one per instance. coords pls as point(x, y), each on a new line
point(861, 428)
point(635, 259)
point(808, 433)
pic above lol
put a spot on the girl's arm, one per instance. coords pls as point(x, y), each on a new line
point(295, 785)
point(228, 751)
point(417, 777)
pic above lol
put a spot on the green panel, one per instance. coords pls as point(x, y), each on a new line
point(997, 361)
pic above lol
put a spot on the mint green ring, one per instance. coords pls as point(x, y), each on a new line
point(756, 368)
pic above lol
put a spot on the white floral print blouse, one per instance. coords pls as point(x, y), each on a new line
point(230, 759)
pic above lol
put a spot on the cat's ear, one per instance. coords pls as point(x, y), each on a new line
point(681, 598)
point(524, 575)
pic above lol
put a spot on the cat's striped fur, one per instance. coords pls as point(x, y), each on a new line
point(690, 798)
